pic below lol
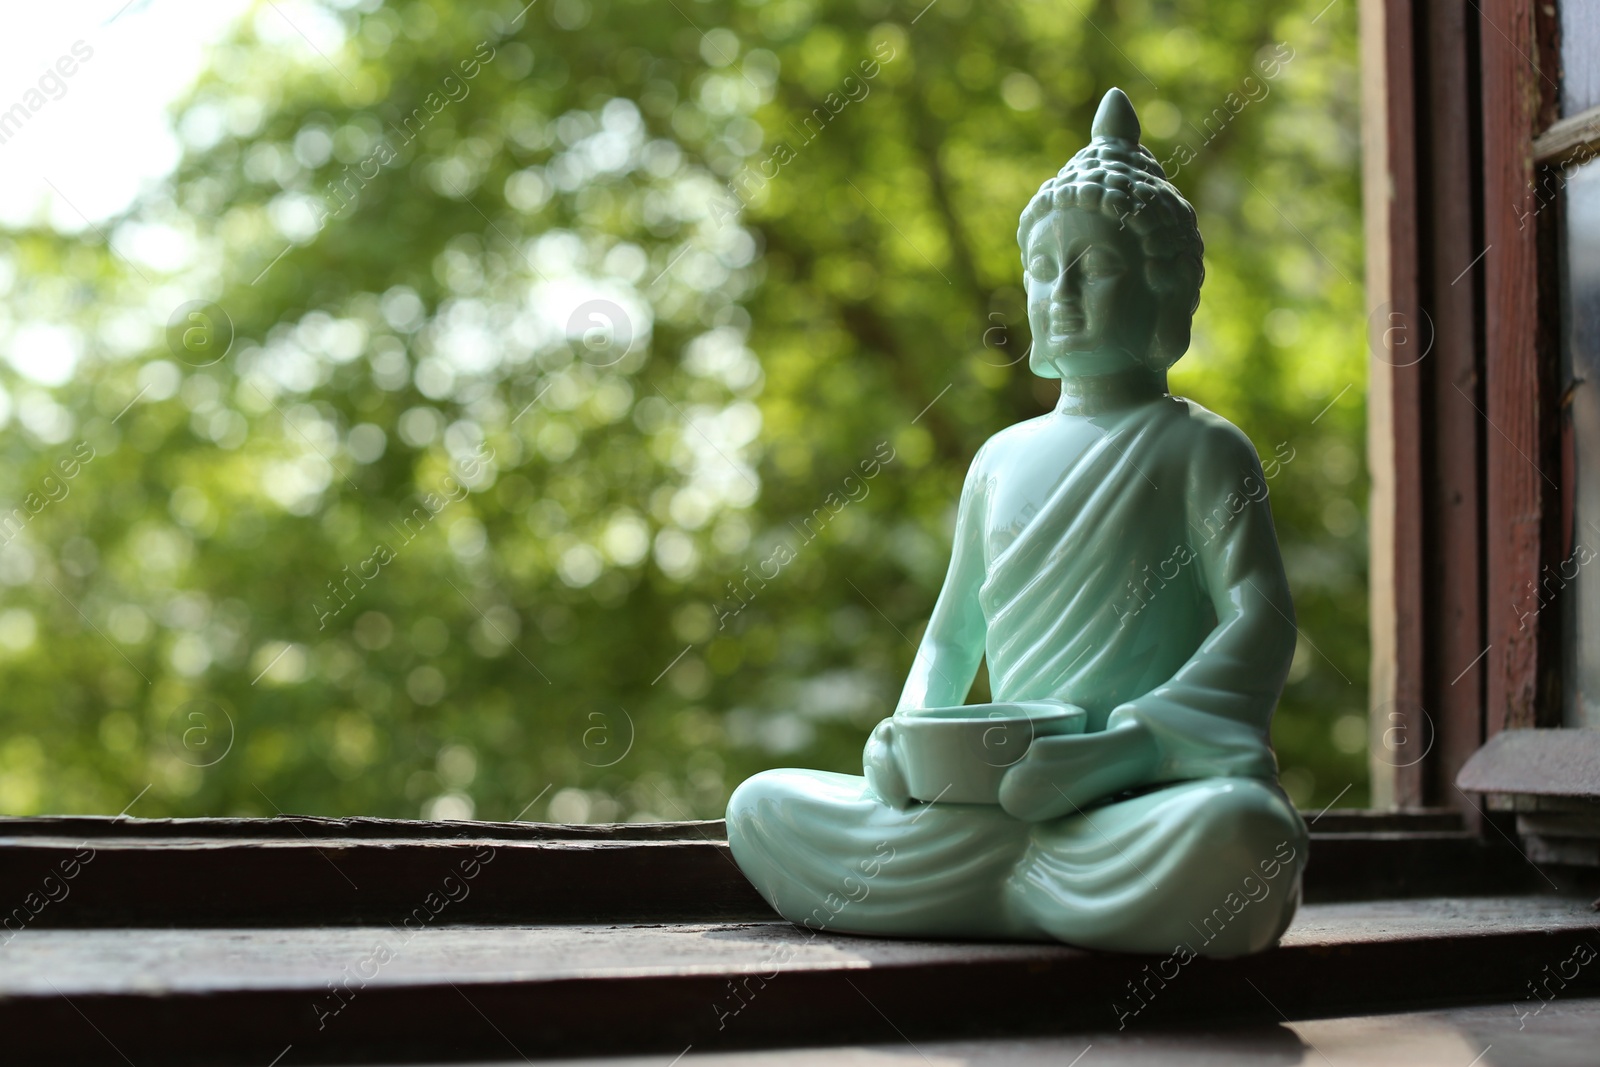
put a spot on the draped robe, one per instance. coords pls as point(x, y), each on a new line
point(1147, 586)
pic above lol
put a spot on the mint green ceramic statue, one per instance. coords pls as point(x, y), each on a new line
point(1116, 561)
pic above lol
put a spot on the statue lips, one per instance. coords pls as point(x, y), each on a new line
point(1066, 324)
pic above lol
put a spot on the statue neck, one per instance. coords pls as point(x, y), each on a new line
point(1096, 394)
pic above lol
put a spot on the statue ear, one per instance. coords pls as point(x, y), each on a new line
point(1177, 289)
point(1173, 326)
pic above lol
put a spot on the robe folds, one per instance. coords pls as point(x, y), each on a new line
point(1146, 586)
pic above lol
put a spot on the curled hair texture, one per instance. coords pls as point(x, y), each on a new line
point(1117, 176)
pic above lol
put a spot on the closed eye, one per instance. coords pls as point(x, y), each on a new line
point(1101, 262)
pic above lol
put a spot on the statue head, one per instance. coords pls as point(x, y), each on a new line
point(1111, 258)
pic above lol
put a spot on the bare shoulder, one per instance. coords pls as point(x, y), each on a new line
point(993, 455)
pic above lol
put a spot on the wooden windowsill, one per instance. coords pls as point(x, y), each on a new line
point(472, 991)
point(239, 940)
point(296, 871)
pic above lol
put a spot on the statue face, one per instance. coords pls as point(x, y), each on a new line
point(1089, 306)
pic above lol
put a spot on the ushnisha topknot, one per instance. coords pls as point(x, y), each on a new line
point(1117, 176)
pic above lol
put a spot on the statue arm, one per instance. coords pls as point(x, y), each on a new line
point(952, 645)
point(1212, 716)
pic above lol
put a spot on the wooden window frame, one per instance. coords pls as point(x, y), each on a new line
point(1470, 480)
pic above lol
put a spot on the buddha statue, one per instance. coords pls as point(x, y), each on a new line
point(1115, 560)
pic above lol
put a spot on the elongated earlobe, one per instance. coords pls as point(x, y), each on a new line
point(1174, 329)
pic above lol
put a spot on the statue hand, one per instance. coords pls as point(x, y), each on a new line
point(1062, 775)
point(882, 768)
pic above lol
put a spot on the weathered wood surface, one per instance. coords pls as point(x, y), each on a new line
point(322, 994)
point(295, 881)
point(1519, 373)
point(1561, 1034)
point(1367, 821)
point(152, 961)
point(1552, 762)
point(1570, 141)
point(1397, 324)
point(1371, 866)
point(1453, 428)
point(1343, 820)
point(314, 826)
point(280, 872)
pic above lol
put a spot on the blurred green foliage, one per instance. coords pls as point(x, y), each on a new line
point(799, 216)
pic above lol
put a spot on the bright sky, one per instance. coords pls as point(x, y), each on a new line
point(102, 133)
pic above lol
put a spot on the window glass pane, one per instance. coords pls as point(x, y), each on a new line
point(1580, 57)
point(1580, 373)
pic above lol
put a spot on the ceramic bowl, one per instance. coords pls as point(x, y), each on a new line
point(958, 755)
